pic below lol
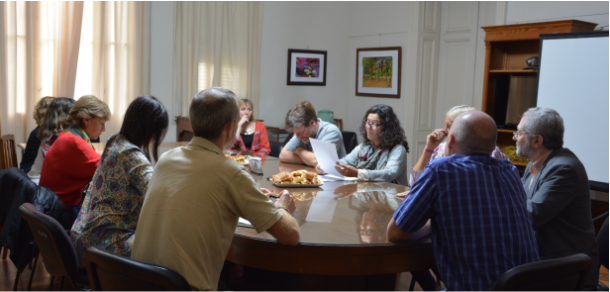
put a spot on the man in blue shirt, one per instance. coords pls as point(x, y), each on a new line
point(303, 122)
point(473, 205)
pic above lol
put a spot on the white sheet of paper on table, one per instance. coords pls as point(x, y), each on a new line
point(322, 208)
point(244, 223)
point(326, 154)
point(330, 177)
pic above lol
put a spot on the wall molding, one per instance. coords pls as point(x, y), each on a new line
point(430, 17)
point(501, 10)
point(429, 67)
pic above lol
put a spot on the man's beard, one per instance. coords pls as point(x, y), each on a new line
point(524, 151)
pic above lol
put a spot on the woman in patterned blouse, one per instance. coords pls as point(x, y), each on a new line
point(110, 211)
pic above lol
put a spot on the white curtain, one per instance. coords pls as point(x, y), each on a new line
point(38, 57)
point(218, 44)
point(120, 56)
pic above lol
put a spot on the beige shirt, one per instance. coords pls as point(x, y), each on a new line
point(190, 212)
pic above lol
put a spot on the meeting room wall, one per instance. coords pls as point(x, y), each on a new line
point(376, 24)
point(341, 28)
point(303, 25)
point(538, 11)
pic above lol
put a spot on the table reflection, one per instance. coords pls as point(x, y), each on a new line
point(374, 212)
point(342, 233)
point(338, 212)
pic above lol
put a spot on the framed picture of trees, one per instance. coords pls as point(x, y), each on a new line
point(378, 72)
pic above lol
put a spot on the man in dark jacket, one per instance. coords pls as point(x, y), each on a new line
point(557, 188)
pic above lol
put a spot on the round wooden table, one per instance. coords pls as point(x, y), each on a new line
point(348, 249)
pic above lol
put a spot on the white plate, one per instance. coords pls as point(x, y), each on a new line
point(295, 185)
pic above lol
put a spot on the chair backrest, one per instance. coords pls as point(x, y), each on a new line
point(8, 154)
point(339, 123)
point(561, 274)
point(350, 141)
point(110, 272)
point(52, 240)
point(275, 131)
point(602, 243)
point(276, 148)
point(287, 139)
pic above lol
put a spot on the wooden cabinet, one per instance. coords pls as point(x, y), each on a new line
point(507, 47)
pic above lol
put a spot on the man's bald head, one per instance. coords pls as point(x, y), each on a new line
point(475, 132)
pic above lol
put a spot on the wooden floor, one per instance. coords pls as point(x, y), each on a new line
point(42, 278)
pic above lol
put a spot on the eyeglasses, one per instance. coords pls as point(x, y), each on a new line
point(373, 125)
point(517, 134)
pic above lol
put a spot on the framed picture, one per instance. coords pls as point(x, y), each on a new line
point(306, 67)
point(378, 72)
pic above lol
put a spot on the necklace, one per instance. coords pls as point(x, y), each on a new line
point(249, 130)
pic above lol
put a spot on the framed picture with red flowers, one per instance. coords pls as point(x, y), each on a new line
point(306, 67)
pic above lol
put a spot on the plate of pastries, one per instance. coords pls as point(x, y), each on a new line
point(239, 158)
point(296, 179)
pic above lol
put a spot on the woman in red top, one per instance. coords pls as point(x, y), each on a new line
point(251, 136)
point(71, 162)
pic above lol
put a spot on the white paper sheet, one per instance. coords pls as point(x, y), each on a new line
point(330, 177)
point(326, 154)
point(322, 208)
point(244, 223)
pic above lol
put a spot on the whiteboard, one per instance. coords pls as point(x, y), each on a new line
point(573, 80)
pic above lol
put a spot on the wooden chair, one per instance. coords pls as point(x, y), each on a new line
point(8, 153)
point(339, 124)
point(184, 131)
point(277, 131)
point(57, 249)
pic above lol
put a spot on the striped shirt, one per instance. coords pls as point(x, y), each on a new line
point(480, 224)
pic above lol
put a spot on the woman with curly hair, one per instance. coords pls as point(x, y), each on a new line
point(53, 124)
point(383, 154)
point(33, 143)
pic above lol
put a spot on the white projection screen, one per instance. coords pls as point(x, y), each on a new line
point(573, 80)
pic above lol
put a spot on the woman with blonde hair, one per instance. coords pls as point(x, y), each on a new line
point(33, 143)
point(435, 147)
point(70, 164)
point(251, 136)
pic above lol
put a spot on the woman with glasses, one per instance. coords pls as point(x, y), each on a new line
point(383, 154)
point(435, 147)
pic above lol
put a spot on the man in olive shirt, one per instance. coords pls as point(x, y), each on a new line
point(196, 196)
